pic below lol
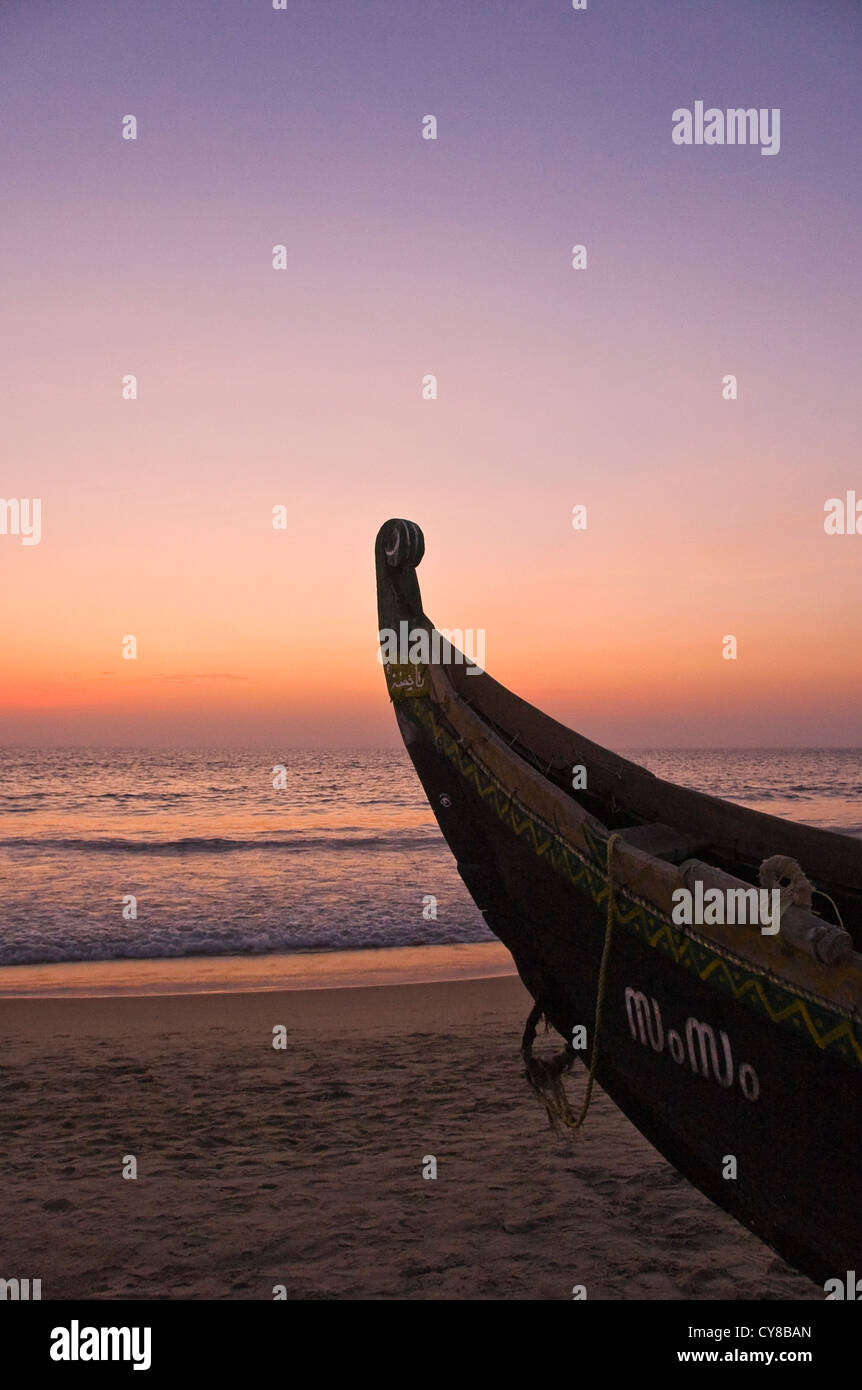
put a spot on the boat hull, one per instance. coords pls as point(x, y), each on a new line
point(750, 1112)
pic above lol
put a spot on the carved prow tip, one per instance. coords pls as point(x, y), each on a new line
point(402, 543)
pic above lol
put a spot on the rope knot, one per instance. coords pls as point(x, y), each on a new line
point(546, 1077)
point(784, 873)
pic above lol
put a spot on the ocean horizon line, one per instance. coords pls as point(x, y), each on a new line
point(398, 747)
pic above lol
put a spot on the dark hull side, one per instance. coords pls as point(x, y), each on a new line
point(701, 1075)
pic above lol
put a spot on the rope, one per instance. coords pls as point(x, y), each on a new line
point(546, 1077)
point(784, 873)
point(820, 894)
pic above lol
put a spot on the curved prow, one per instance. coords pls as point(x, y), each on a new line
point(622, 794)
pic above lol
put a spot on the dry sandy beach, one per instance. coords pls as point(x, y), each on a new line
point(303, 1167)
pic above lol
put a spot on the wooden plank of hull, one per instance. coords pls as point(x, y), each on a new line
point(797, 1161)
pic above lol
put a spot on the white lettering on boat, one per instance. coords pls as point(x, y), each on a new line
point(696, 1044)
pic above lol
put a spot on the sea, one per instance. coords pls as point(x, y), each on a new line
point(132, 854)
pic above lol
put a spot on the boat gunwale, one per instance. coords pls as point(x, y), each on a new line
point(749, 819)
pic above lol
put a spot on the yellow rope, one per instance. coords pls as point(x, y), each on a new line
point(600, 990)
point(546, 1077)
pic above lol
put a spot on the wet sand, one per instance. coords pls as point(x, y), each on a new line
point(302, 1167)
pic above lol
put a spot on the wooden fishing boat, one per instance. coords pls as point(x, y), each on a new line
point(737, 1053)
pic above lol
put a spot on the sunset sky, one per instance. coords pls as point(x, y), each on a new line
point(406, 256)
